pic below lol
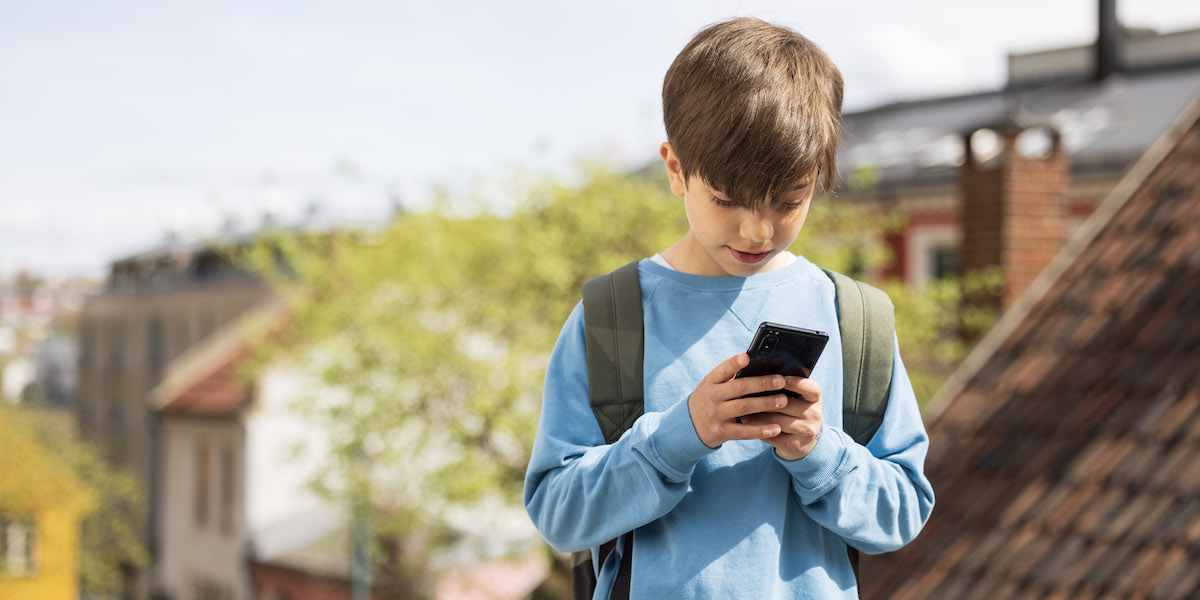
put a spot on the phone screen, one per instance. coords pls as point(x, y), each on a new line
point(785, 350)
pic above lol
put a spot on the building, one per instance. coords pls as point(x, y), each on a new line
point(1064, 451)
point(162, 391)
point(153, 308)
point(42, 503)
point(1093, 109)
point(234, 497)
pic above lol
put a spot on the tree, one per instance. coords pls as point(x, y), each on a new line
point(438, 330)
point(110, 538)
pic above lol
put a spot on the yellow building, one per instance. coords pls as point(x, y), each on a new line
point(41, 505)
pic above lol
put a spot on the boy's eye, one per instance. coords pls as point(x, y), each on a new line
point(724, 203)
point(790, 206)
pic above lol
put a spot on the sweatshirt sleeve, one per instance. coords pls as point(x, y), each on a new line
point(581, 492)
point(876, 497)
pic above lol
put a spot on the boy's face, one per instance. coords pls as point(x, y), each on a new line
point(725, 237)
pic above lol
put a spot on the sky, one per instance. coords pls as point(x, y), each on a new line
point(121, 121)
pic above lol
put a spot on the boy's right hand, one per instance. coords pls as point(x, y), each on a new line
point(720, 400)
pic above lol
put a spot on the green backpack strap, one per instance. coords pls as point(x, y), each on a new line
point(612, 307)
point(613, 337)
point(868, 325)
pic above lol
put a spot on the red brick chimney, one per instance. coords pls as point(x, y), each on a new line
point(1012, 211)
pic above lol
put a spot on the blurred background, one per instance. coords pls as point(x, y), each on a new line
point(278, 280)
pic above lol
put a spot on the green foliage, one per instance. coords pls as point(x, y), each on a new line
point(110, 538)
point(936, 325)
point(438, 328)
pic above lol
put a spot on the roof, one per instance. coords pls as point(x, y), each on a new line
point(205, 381)
point(1105, 125)
point(1065, 452)
point(316, 542)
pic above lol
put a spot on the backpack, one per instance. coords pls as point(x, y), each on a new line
point(614, 342)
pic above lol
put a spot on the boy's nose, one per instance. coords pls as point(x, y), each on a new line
point(756, 228)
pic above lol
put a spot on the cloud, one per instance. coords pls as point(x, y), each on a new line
point(896, 61)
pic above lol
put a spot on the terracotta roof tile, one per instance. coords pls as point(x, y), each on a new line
point(1189, 478)
point(1109, 568)
point(1079, 498)
point(1175, 462)
point(1067, 552)
point(1181, 581)
point(1143, 529)
point(1027, 499)
point(980, 557)
point(1150, 566)
point(953, 587)
point(1067, 464)
point(1171, 530)
point(1076, 574)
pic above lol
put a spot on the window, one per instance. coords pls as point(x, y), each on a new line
point(202, 482)
point(18, 542)
point(227, 491)
point(945, 262)
point(931, 252)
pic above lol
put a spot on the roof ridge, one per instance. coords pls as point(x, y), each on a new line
point(1083, 237)
point(200, 360)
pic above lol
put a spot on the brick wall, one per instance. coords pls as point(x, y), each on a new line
point(1013, 213)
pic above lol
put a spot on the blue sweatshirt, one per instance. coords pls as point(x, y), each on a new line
point(736, 521)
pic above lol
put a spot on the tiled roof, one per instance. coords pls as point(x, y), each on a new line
point(219, 392)
point(205, 381)
point(1104, 126)
point(1067, 462)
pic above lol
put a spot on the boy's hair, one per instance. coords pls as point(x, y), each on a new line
point(753, 108)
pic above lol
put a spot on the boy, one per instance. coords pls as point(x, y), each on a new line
point(731, 496)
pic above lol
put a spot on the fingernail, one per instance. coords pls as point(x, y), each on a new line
point(778, 382)
point(780, 401)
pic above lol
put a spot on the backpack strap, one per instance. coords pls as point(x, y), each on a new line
point(867, 322)
point(613, 332)
point(613, 337)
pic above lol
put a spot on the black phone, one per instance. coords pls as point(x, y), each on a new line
point(784, 350)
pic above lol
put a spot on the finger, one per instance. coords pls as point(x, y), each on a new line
point(751, 432)
point(787, 423)
point(741, 407)
point(801, 408)
point(744, 386)
point(728, 368)
point(808, 389)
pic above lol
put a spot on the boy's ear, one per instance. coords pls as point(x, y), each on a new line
point(674, 169)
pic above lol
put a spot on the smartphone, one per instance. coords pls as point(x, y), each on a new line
point(784, 350)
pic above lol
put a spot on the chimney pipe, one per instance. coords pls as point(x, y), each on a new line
point(1108, 41)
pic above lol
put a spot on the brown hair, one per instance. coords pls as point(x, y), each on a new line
point(753, 108)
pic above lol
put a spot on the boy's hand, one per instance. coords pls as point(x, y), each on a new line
point(719, 401)
point(799, 421)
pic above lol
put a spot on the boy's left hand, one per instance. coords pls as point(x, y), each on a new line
point(799, 421)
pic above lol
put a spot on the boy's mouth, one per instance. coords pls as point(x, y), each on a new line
point(749, 258)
